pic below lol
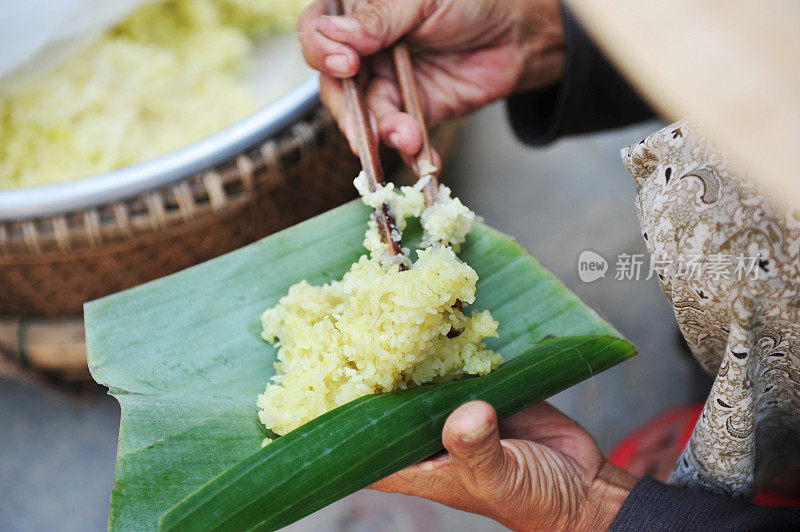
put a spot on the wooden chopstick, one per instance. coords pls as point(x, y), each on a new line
point(413, 106)
point(368, 151)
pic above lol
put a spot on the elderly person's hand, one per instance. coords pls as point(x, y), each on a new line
point(466, 54)
point(547, 473)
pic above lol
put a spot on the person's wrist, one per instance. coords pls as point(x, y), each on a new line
point(605, 497)
point(543, 44)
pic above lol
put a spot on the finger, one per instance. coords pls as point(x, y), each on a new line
point(419, 479)
point(375, 25)
point(437, 159)
point(332, 97)
point(320, 52)
point(472, 438)
point(411, 161)
point(546, 425)
point(386, 100)
point(431, 479)
point(536, 422)
point(398, 130)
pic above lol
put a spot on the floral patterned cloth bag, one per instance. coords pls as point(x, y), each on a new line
point(727, 259)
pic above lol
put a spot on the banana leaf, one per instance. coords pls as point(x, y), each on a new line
point(184, 357)
point(342, 453)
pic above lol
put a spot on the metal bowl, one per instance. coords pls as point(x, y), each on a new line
point(46, 200)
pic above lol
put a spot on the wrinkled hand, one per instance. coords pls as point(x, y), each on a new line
point(546, 474)
point(466, 54)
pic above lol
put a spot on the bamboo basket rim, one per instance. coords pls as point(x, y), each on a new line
point(117, 185)
point(189, 200)
point(46, 346)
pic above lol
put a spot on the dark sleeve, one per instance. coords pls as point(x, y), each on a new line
point(653, 506)
point(590, 97)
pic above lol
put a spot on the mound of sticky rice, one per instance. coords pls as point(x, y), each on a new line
point(381, 328)
point(171, 73)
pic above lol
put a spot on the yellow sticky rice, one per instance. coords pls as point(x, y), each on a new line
point(380, 328)
point(169, 74)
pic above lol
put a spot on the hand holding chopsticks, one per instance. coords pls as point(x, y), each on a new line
point(368, 149)
point(466, 55)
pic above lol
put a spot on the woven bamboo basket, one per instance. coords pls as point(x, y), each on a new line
point(51, 265)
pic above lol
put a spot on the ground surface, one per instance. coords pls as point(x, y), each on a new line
point(57, 456)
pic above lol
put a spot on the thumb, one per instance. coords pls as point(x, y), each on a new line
point(472, 438)
point(375, 25)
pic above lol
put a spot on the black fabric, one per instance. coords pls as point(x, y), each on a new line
point(591, 96)
point(654, 506)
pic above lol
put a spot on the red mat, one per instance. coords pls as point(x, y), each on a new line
point(669, 433)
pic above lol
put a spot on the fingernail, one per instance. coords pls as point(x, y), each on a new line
point(394, 139)
point(477, 434)
point(345, 24)
point(339, 63)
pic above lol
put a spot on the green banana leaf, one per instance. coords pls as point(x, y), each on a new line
point(342, 453)
point(184, 357)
